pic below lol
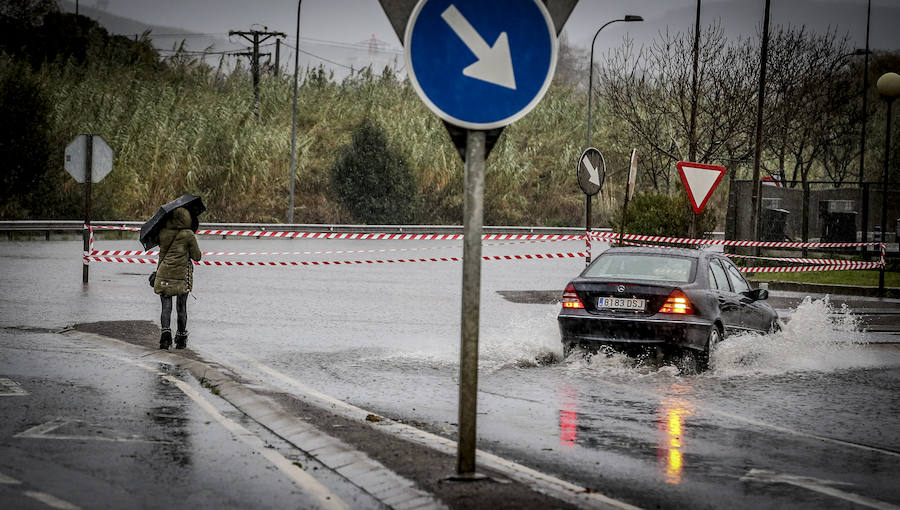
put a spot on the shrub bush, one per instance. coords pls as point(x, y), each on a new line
point(662, 215)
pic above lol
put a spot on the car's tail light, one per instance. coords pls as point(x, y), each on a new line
point(570, 298)
point(677, 302)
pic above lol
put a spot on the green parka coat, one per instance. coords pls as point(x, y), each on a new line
point(178, 247)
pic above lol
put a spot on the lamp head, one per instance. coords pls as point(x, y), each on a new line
point(889, 86)
point(632, 17)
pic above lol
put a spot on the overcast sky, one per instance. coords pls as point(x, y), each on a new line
point(352, 21)
point(331, 30)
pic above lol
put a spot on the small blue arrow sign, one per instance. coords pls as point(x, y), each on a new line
point(480, 64)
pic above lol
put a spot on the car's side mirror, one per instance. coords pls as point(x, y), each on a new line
point(757, 294)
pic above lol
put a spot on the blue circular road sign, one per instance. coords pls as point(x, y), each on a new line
point(480, 64)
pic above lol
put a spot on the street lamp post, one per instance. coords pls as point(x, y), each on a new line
point(587, 198)
point(755, 197)
point(863, 190)
point(294, 119)
point(889, 88)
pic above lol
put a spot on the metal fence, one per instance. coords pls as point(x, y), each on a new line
point(816, 212)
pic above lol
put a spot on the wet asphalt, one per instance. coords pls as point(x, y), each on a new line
point(804, 419)
point(90, 427)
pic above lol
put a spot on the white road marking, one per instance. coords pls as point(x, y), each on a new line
point(799, 433)
point(758, 423)
point(8, 480)
point(51, 501)
point(327, 499)
point(43, 430)
point(310, 486)
point(549, 484)
point(10, 388)
point(817, 485)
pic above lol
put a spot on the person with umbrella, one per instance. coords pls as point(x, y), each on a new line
point(173, 228)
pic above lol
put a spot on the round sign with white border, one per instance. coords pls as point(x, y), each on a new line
point(480, 65)
point(591, 171)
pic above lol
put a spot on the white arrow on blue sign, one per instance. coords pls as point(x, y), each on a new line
point(480, 64)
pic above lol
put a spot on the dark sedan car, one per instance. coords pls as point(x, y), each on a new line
point(661, 297)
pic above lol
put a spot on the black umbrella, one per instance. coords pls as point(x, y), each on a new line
point(150, 229)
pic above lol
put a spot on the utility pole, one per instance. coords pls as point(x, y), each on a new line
point(692, 142)
point(255, 37)
point(277, 57)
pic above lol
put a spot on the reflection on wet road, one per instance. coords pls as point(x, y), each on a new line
point(815, 400)
point(672, 414)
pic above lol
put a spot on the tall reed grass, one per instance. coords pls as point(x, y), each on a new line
point(191, 129)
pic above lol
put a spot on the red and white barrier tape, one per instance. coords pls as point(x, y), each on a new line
point(142, 253)
point(372, 236)
point(537, 256)
point(821, 262)
point(110, 227)
point(801, 269)
point(628, 239)
point(613, 236)
point(90, 230)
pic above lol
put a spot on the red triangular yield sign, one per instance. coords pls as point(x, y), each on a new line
point(700, 181)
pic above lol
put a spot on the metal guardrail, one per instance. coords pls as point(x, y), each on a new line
point(75, 226)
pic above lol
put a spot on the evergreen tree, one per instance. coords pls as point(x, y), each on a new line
point(24, 139)
point(371, 181)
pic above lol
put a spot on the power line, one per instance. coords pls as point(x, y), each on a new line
point(319, 57)
point(326, 42)
point(200, 52)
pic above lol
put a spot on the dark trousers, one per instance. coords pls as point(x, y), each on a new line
point(165, 319)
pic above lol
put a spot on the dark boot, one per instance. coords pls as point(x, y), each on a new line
point(165, 339)
point(181, 339)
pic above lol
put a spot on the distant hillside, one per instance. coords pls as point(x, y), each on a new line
point(164, 38)
point(337, 58)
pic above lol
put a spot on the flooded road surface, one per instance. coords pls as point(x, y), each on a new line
point(806, 418)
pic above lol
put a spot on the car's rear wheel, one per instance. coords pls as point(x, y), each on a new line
point(715, 336)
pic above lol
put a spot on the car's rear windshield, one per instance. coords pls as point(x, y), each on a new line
point(642, 266)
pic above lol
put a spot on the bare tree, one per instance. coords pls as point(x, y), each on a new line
point(649, 91)
point(809, 98)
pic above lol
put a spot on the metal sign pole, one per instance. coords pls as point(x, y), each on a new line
point(587, 228)
point(884, 196)
point(624, 218)
point(473, 218)
point(88, 178)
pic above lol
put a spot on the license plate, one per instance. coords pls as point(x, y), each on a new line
point(622, 303)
